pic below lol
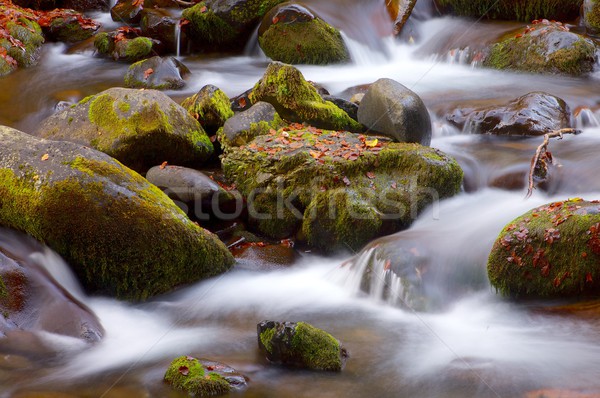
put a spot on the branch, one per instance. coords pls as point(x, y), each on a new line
point(540, 154)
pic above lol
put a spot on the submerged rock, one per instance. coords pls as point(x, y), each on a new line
point(546, 47)
point(552, 251)
point(302, 345)
point(392, 109)
point(525, 11)
point(157, 73)
point(203, 378)
point(210, 106)
point(340, 189)
point(292, 34)
point(140, 128)
point(284, 87)
point(120, 234)
point(536, 113)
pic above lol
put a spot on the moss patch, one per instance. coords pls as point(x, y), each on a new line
point(318, 349)
point(210, 106)
point(208, 26)
point(188, 374)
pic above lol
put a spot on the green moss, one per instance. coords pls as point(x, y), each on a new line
point(526, 263)
point(188, 374)
point(104, 43)
point(314, 42)
point(209, 26)
point(297, 100)
point(29, 34)
point(138, 48)
point(592, 16)
point(124, 106)
point(211, 106)
point(5, 67)
point(318, 349)
point(266, 337)
point(521, 10)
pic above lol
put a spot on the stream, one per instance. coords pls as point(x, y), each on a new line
point(476, 345)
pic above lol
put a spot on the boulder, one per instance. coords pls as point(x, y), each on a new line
point(161, 25)
point(511, 10)
point(349, 107)
point(120, 234)
point(545, 47)
point(339, 189)
point(392, 109)
point(157, 73)
point(210, 106)
point(284, 87)
point(67, 26)
point(124, 44)
point(243, 127)
point(203, 378)
point(291, 33)
point(536, 113)
point(127, 11)
point(552, 251)
point(302, 345)
point(140, 128)
point(591, 16)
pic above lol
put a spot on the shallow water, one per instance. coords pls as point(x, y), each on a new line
point(475, 345)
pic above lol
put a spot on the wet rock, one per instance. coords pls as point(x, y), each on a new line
point(349, 107)
point(125, 44)
point(536, 113)
point(210, 106)
point(302, 345)
point(284, 87)
point(340, 189)
point(525, 11)
point(140, 128)
point(67, 26)
point(399, 11)
point(256, 254)
point(390, 108)
point(292, 34)
point(160, 25)
point(127, 11)
point(203, 378)
point(225, 25)
point(22, 38)
point(545, 47)
point(550, 252)
point(241, 102)
point(128, 240)
point(86, 5)
point(157, 73)
point(243, 127)
point(591, 16)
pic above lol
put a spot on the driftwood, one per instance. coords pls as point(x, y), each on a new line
point(542, 156)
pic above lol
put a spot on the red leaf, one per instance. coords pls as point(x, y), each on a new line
point(203, 9)
point(163, 165)
point(184, 370)
point(275, 20)
point(147, 73)
point(242, 102)
point(588, 278)
point(370, 175)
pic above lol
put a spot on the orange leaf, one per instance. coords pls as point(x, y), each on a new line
point(370, 175)
point(148, 72)
point(203, 9)
point(242, 102)
point(163, 165)
point(45, 157)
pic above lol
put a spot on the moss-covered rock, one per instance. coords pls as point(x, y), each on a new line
point(521, 10)
point(124, 44)
point(552, 251)
point(291, 33)
point(67, 26)
point(340, 189)
point(546, 47)
point(244, 126)
point(140, 128)
point(210, 106)
point(225, 24)
point(591, 16)
point(157, 73)
point(284, 87)
point(20, 38)
point(300, 344)
point(121, 235)
point(127, 11)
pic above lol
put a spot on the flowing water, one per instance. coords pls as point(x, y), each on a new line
point(474, 345)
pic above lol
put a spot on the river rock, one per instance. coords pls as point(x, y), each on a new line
point(158, 24)
point(339, 189)
point(591, 16)
point(210, 106)
point(22, 38)
point(349, 107)
point(127, 11)
point(128, 239)
point(536, 113)
point(124, 45)
point(392, 109)
point(525, 11)
point(157, 73)
point(203, 378)
point(243, 127)
point(284, 87)
point(300, 344)
point(225, 24)
point(140, 128)
point(67, 26)
point(552, 251)
point(31, 300)
point(545, 47)
point(293, 34)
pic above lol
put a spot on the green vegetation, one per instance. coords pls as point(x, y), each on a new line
point(188, 374)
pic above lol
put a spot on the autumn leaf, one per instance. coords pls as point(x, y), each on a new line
point(147, 73)
point(370, 175)
point(138, 3)
point(371, 143)
point(45, 157)
point(184, 370)
point(242, 102)
point(588, 278)
point(163, 165)
point(183, 22)
point(315, 154)
point(203, 9)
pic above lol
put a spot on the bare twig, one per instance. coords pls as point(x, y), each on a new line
point(540, 154)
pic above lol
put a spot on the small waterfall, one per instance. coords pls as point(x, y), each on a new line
point(177, 27)
point(585, 117)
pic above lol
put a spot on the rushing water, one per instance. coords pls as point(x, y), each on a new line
point(475, 345)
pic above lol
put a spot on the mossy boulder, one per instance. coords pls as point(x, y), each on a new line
point(535, 113)
point(140, 128)
point(336, 190)
point(120, 234)
point(545, 47)
point(591, 16)
point(244, 126)
point(284, 87)
point(210, 106)
point(225, 24)
point(300, 344)
point(521, 10)
point(21, 38)
point(291, 33)
point(552, 251)
point(67, 26)
point(161, 25)
point(127, 11)
point(124, 45)
point(157, 73)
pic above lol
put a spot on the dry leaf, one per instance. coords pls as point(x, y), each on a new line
point(45, 157)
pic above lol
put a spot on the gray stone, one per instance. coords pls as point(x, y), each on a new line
point(157, 73)
point(244, 126)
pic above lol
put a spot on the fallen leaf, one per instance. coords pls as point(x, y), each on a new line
point(163, 165)
point(148, 72)
point(45, 157)
point(588, 278)
point(184, 370)
point(203, 9)
point(372, 143)
point(370, 175)
point(242, 102)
